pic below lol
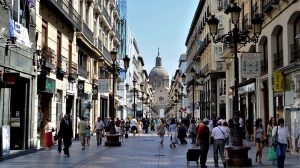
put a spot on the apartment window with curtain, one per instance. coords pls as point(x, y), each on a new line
point(295, 48)
point(278, 55)
point(58, 50)
point(44, 33)
point(20, 12)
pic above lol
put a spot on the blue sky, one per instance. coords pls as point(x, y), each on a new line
point(163, 23)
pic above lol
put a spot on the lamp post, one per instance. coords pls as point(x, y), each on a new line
point(142, 98)
point(134, 83)
point(181, 99)
point(114, 69)
point(235, 37)
point(193, 75)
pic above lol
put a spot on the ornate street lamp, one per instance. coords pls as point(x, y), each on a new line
point(134, 84)
point(235, 37)
point(115, 70)
point(193, 75)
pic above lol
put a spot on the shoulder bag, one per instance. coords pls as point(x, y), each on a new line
point(226, 139)
point(275, 138)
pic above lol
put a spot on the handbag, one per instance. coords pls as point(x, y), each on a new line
point(272, 154)
point(275, 138)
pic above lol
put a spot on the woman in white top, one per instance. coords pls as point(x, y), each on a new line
point(48, 134)
point(172, 132)
point(283, 134)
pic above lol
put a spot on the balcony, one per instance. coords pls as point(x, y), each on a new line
point(278, 59)
point(206, 69)
point(220, 66)
point(106, 15)
point(98, 6)
point(87, 32)
point(48, 58)
point(73, 72)
point(295, 53)
point(65, 10)
point(62, 65)
point(82, 72)
point(106, 53)
point(268, 5)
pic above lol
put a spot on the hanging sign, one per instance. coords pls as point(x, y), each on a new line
point(103, 85)
point(250, 65)
point(277, 81)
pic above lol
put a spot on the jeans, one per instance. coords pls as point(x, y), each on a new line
point(219, 145)
point(99, 136)
point(280, 151)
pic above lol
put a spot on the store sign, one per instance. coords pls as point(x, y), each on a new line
point(80, 86)
point(10, 78)
point(95, 92)
point(50, 85)
point(103, 85)
point(277, 81)
point(250, 65)
point(247, 88)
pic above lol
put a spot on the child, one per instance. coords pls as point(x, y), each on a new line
point(88, 135)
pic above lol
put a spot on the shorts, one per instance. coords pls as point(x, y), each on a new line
point(258, 140)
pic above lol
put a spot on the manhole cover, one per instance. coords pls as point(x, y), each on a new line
point(160, 155)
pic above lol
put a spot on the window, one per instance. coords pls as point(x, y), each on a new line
point(221, 25)
point(218, 52)
point(20, 12)
point(70, 56)
point(264, 63)
point(58, 50)
point(44, 33)
point(278, 55)
point(222, 87)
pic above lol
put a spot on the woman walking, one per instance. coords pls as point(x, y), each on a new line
point(48, 134)
point(282, 133)
point(172, 132)
point(258, 135)
point(162, 131)
point(271, 125)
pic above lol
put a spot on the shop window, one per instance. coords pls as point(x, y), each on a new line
point(20, 12)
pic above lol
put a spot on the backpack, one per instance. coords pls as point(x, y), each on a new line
point(162, 130)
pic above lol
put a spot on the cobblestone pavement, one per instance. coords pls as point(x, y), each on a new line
point(142, 151)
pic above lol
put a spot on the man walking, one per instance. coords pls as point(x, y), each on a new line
point(66, 133)
point(82, 125)
point(202, 139)
point(99, 126)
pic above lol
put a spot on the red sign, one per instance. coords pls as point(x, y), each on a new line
point(10, 78)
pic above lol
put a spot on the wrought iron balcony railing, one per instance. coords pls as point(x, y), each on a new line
point(87, 32)
point(65, 10)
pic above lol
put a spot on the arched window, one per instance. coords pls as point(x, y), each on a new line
point(295, 48)
point(278, 55)
point(264, 60)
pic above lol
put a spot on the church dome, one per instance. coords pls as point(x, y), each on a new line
point(159, 72)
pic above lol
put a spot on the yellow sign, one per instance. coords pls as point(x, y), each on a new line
point(277, 82)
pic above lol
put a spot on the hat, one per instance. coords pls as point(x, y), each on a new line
point(205, 120)
point(221, 121)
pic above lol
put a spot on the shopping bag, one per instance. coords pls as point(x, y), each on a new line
point(272, 154)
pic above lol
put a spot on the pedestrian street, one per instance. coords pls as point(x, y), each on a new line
point(140, 151)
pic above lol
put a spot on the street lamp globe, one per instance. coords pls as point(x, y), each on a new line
point(235, 13)
point(213, 25)
point(134, 82)
point(127, 86)
point(126, 61)
point(101, 62)
point(113, 54)
point(257, 24)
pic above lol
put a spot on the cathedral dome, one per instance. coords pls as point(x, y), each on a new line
point(158, 70)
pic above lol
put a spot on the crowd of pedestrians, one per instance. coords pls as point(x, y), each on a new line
point(215, 131)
